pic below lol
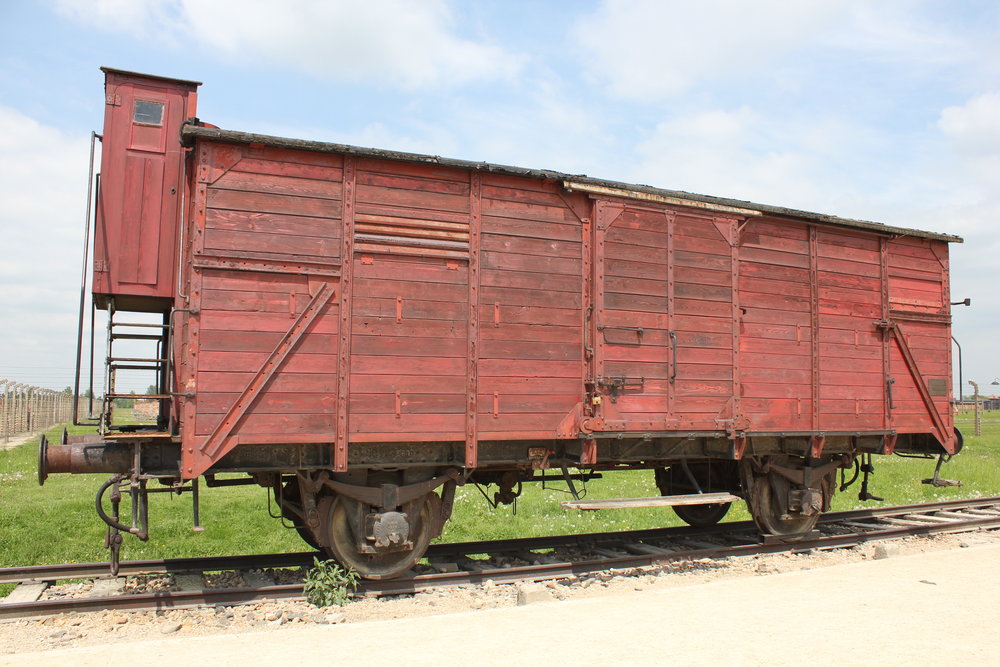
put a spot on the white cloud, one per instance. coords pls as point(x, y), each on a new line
point(33, 155)
point(970, 206)
point(649, 49)
point(966, 167)
point(139, 18)
point(544, 126)
point(397, 42)
point(896, 30)
point(42, 189)
point(745, 154)
point(974, 127)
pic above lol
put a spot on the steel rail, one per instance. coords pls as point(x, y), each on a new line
point(37, 573)
point(544, 571)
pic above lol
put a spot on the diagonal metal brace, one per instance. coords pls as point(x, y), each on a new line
point(220, 441)
point(891, 328)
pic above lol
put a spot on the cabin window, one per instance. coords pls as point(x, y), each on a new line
point(148, 113)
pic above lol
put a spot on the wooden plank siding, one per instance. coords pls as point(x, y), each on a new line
point(410, 304)
point(849, 302)
point(664, 318)
point(282, 211)
point(530, 309)
point(470, 305)
point(776, 331)
point(702, 318)
point(408, 348)
point(918, 292)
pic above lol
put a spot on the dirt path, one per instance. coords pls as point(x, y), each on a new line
point(16, 440)
point(914, 601)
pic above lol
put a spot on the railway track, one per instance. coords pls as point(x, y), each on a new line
point(504, 561)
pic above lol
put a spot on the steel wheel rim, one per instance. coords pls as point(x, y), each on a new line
point(701, 516)
point(765, 513)
point(340, 543)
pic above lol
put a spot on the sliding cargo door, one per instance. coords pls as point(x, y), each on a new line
point(632, 364)
point(663, 319)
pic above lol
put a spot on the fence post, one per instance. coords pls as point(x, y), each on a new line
point(25, 408)
point(6, 409)
point(975, 406)
point(19, 402)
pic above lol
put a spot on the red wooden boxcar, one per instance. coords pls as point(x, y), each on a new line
point(362, 330)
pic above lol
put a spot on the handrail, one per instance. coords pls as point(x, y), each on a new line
point(83, 282)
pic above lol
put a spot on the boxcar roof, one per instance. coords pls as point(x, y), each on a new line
point(191, 132)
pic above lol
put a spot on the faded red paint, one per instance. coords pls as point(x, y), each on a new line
point(135, 252)
point(767, 322)
point(471, 306)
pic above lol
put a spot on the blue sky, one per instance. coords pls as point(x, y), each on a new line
point(888, 111)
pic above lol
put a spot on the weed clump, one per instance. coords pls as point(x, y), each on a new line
point(328, 584)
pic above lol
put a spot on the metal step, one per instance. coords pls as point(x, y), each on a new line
point(139, 324)
point(139, 435)
point(150, 361)
point(128, 336)
point(656, 501)
point(134, 367)
point(142, 396)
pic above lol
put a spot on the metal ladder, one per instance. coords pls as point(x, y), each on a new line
point(158, 365)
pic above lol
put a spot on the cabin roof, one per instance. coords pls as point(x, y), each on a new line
point(154, 77)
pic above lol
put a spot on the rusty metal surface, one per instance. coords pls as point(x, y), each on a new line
point(349, 184)
point(472, 332)
point(87, 457)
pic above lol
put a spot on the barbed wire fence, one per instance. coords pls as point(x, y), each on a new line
point(26, 409)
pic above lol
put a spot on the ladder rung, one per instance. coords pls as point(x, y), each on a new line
point(134, 367)
point(143, 396)
point(151, 361)
point(138, 324)
point(119, 336)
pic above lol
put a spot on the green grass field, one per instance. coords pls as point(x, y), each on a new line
point(57, 522)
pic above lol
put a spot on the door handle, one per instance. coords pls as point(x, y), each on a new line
point(673, 355)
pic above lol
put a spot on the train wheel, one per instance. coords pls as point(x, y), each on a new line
point(769, 516)
point(702, 516)
point(341, 542)
point(710, 477)
point(308, 537)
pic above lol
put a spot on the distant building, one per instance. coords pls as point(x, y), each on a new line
point(985, 403)
point(145, 410)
